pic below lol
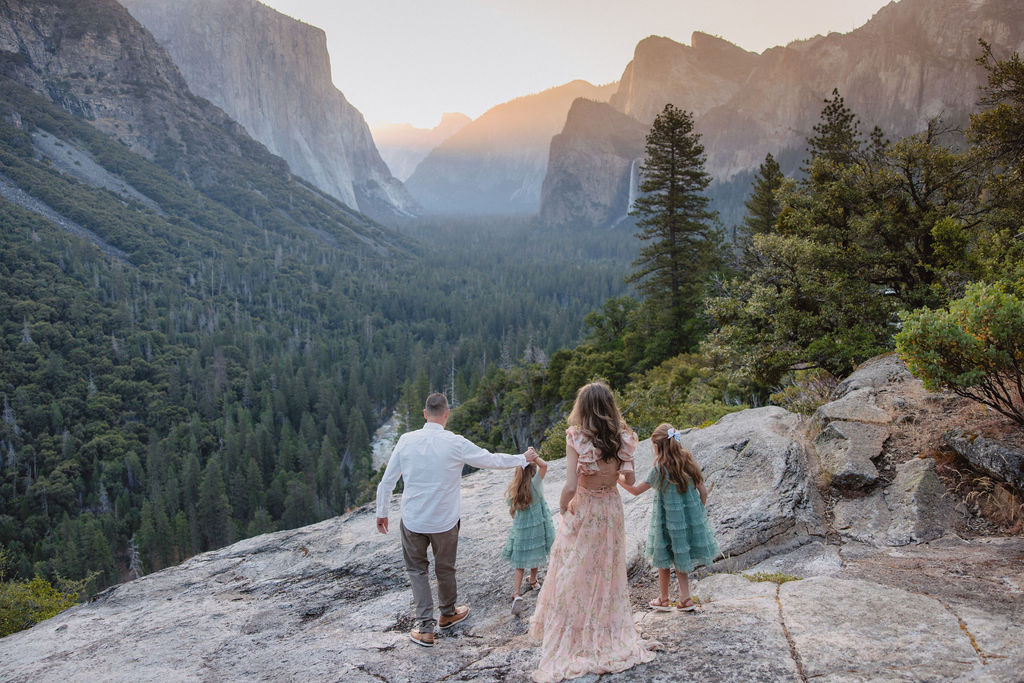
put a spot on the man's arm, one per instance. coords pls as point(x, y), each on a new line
point(386, 487)
point(471, 454)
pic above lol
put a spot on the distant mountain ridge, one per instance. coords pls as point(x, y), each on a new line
point(272, 74)
point(403, 146)
point(497, 163)
point(914, 60)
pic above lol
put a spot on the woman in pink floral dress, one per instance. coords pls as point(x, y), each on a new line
point(583, 616)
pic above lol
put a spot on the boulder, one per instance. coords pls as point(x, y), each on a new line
point(865, 519)
point(762, 502)
point(921, 510)
point(845, 451)
point(814, 559)
point(877, 392)
point(992, 457)
point(879, 374)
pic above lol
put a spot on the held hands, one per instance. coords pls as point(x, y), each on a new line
point(382, 525)
point(572, 506)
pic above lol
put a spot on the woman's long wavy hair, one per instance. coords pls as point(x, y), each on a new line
point(677, 463)
point(519, 493)
point(597, 415)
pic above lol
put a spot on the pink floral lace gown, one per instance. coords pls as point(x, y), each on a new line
point(583, 616)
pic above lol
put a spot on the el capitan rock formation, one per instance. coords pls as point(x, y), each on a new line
point(272, 74)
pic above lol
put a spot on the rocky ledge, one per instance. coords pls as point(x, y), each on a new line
point(890, 586)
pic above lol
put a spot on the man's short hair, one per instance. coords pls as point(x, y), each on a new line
point(437, 405)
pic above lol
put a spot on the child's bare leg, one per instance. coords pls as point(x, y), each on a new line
point(684, 586)
point(664, 576)
point(533, 576)
point(517, 581)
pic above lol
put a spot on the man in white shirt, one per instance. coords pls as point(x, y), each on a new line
point(430, 460)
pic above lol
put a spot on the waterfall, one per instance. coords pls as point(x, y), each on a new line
point(634, 184)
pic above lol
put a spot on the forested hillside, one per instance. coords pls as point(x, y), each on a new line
point(188, 369)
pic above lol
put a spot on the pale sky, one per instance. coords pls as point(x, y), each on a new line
point(409, 61)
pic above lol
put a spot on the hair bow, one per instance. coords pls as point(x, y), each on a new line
point(674, 433)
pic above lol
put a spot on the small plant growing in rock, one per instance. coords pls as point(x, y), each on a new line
point(778, 578)
point(975, 348)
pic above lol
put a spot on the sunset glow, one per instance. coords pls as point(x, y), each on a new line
point(406, 61)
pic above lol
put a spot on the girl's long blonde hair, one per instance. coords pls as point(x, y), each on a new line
point(677, 463)
point(597, 415)
point(519, 493)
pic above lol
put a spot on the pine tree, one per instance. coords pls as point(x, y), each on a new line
point(213, 512)
point(836, 136)
point(763, 205)
point(682, 251)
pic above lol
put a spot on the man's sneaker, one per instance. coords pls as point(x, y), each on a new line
point(447, 621)
point(422, 638)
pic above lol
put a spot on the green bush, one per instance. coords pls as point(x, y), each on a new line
point(681, 391)
point(25, 603)
point(552, 446)
point(975, 348)
point(804, 390)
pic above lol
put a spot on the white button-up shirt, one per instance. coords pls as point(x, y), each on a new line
point(430, 461)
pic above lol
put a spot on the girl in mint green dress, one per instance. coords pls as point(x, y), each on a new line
point(532, 532)
point(680, 534)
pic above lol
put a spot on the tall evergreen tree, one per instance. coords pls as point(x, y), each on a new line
point(837, 136)
point(213, 512)
point(673, 269)
point(763, 205)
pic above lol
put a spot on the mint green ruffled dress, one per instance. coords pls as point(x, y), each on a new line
point(680, 534)
point(532, 532)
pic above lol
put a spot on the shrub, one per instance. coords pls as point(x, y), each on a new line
point(26, 603)
point(805, 390)
point(975, 348)
point(681, 391)
point(552, 447)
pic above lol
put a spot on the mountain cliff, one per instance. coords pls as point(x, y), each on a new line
point(403, 146)
point(94, 60)
point(883, 583)
point(272, 74)
point(914, 60)
point(497, 163)
point(592, 166)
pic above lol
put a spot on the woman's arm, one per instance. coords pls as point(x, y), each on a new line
point(626, 480)
point(569, 489)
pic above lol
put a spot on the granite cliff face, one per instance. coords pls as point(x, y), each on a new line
point(497, 163)
point(604, 142)
point(914, 60)
point(403, 146)
point(93, 59)
point(330, 601)
point(272, 74)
